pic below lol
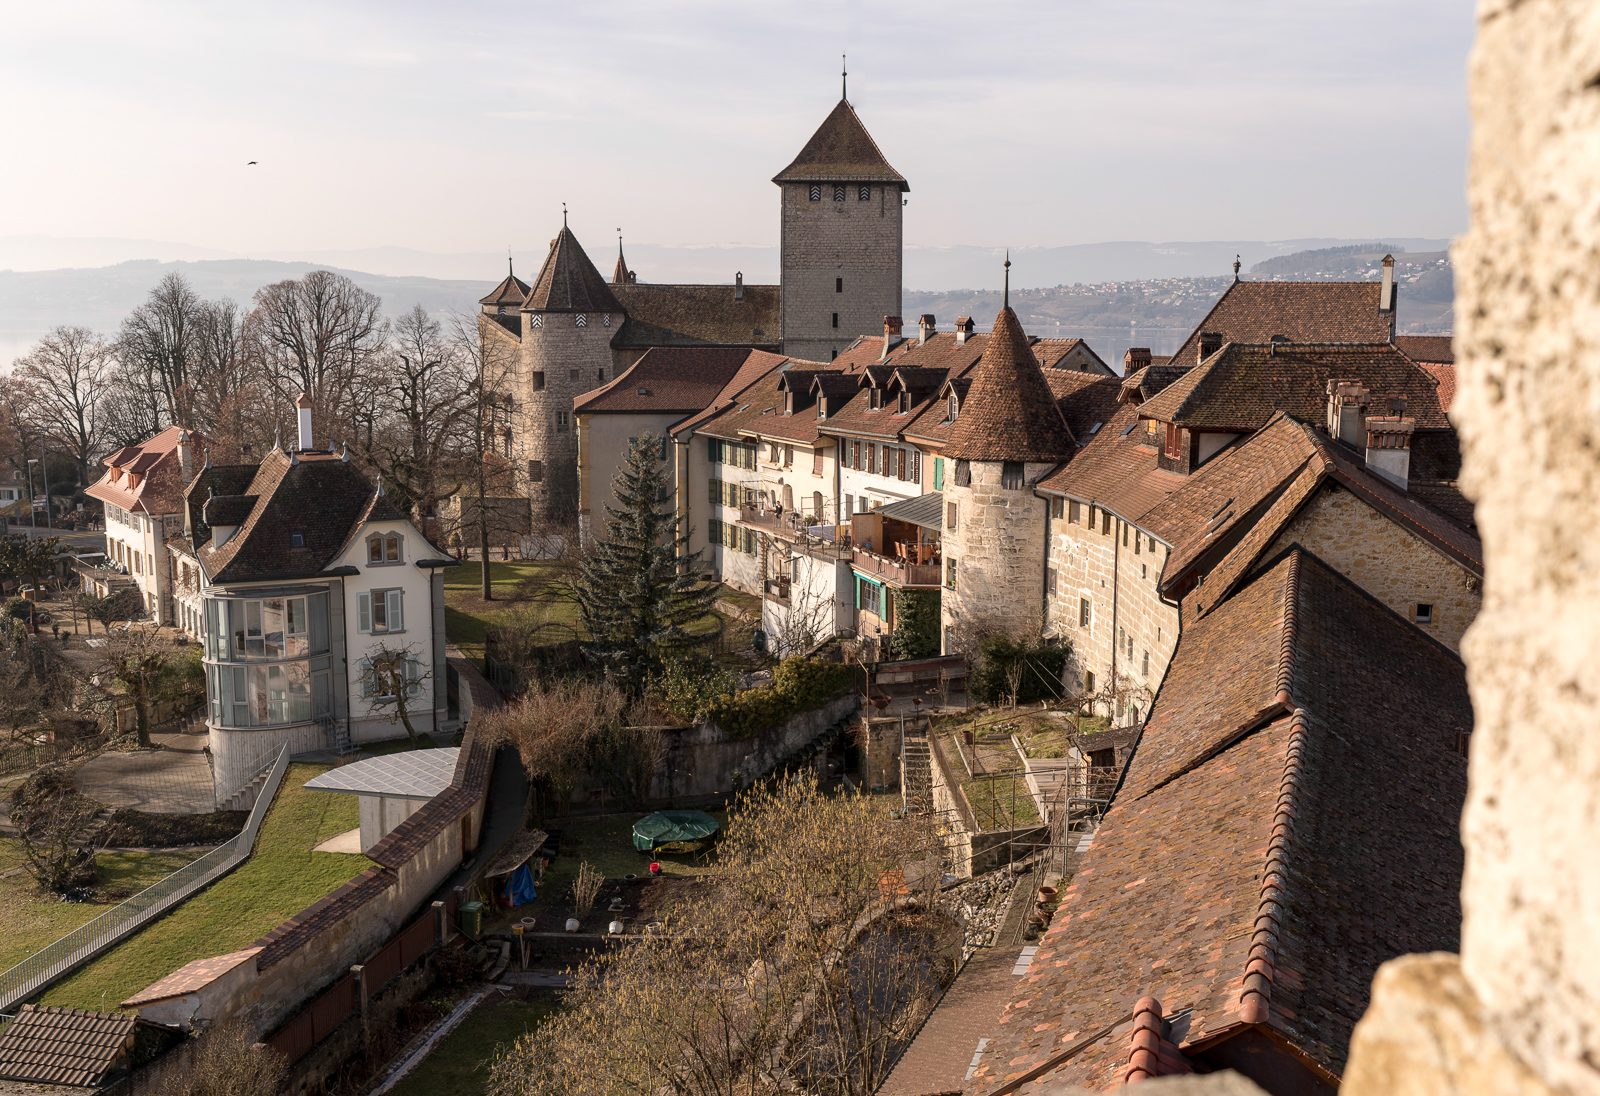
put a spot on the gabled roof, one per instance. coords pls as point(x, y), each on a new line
point(698, 315)
point(1009, 414)
point(190, 977)
point(160, 488)
point(1050, 353)
point(1302, 312)
point(841, 151)
point(1085, 399)
point(318, 495)
point(1241, 386)
point(1150, 381)
point(50, 1045)
point(667, 380)
point(1237, 873)
point(758, 409)
point(1116, 468)
point(512, 291)
point(568, 281)
point(757, 365)
point(1428, 348)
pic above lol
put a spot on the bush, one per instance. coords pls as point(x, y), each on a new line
point(691, 685)
point(17, 608)
point(798, 685)
point(916, 629)
point(1041, 665)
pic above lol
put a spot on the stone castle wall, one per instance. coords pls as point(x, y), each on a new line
point(569, 360)
point(1387, 562)
point(857, 241)
point(999, 546)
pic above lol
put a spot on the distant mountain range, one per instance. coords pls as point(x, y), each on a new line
point(96, 282)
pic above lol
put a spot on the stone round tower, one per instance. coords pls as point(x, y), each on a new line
point(568, 319)
point(1008, 435)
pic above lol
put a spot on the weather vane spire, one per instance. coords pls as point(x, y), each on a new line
point(1005, 300)
point(563, 214)
point(844, 77)
point(509, 270)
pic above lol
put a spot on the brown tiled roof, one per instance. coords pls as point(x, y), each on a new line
point(160, 489)
point(841, 151)
point(620, 273)
point(1084, 398)
point(512, 291)
point(758, 365)
point(1116, 469)
point(1239, 388)
point(327, 912)
point(1009, 412)
point(698, 315)
point(190, 977)
point(1151, 380)
point(1289, 822)
point(759, 410)
point(666, 380)
point(1438, 349)
point(50, 1045)
point(1051, 351)
point(511, 322)
point(568, 281)
point(1445, 374)
point(318, 495)
point(1302, 312)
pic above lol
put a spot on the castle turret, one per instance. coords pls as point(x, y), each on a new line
point(1008, 435)
point(507, 297)
point(840, 238)
point(568, 319)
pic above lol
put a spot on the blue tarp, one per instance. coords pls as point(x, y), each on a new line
point(520, 888)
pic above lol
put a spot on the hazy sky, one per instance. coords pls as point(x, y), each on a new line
point(463, 127)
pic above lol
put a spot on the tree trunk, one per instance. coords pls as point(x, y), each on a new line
point(483, 533)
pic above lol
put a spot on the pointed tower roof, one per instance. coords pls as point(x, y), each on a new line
point(568, 281)
point(511, 291)
point(841, 151)
point(619, 276)
point(1009, 413)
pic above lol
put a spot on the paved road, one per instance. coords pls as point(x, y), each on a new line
point(175, 780)
point(80, 540)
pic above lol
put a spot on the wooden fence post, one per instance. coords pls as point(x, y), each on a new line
point(441, 924)
point(359, 972)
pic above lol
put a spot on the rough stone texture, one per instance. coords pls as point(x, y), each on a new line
point(571, 360)
point(827, 240)
point(1528, 298)
point(999, 546)
point(1387, 562)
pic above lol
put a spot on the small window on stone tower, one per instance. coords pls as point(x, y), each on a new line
point(838, 285)
point(536, 471)
point(836, 324)
point(536, 382)
point(1424, 614)
point(1011, 475)
point(864, 194)
point(838, 193)
point(963, 473)
point(816, 192)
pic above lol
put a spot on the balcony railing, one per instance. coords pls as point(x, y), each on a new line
point(777, 589)
point(796, 529)
point(897, 571)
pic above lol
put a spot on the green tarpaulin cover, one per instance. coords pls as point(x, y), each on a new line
point(664, 827)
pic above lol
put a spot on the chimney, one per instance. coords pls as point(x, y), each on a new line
point(738, 286)
point(1386, 294)
point(1275, 342)
point(1389, 446)
point(1347, 407)
point(891, 332)
point(304, 405)
point(963, 330)
point(185, 457)
point(1210, 343)
point(1135, 359)
point(925, 328)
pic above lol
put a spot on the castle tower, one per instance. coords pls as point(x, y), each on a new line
point(1009, 433)
point(840, 238)
point(568, 319)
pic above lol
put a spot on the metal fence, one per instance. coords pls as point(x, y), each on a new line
point(87, 941)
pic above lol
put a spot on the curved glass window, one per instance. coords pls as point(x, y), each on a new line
point(267, 659)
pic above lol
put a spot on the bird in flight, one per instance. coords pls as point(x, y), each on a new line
point(251, 162)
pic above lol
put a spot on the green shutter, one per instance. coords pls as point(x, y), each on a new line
point(938, 473)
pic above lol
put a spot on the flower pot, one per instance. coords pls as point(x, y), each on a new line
point(616, 928)
point(1047, 894)
point(572, 924)
point(630, 879)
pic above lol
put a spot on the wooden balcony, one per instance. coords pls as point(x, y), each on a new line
point(897, 572)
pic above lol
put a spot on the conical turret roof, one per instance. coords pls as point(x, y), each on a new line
point(511, 291)
point(1009, 413)
point(841, 151)
point(568, 281)
point(619, 276)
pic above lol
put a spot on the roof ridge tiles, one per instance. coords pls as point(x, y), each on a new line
point(1255, 997)
point(1289, 635)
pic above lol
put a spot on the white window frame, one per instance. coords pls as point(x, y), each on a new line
point(393, 606)
point(413, 680)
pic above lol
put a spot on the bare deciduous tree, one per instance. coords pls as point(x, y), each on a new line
point(227, 1061)
point(485, 410)
point(391, 679)
point(59, 385)
point(158, 346)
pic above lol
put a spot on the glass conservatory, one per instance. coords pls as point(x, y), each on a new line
point(267, 657)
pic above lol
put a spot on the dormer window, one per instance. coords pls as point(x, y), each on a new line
point(874, 399)
point(383, 548)
point(297, 540)
point(788, 403)
point(822, 407)
point(905, 401)
point(954, 407)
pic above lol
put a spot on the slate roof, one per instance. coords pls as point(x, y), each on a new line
point(412, 774)
point(512, 291)
point(841, 151)
point(1428, 348)
point(1302, 312)
point(1009, 412)
point(698, 315)
point(318, 495)
point(1240, 387)
point(160, 489)
point(47, 1044)
point(190, 977)
point(1288, 822)
point(568, 281)
point(666, 380)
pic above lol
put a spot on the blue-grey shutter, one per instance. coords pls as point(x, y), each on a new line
point(396, 620)
point(363, 612)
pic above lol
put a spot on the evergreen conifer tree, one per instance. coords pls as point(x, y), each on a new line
point(637, 593)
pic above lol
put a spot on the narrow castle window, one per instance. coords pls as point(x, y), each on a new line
point(1011, 475)
point(838, 285)
point(838, 193)
point(536, 471)
point(816, 192)
point(963, 473)
point(536, 382)
point(1083, 622)
point(562, 421)
point(836, 324)
point(864, 194)
point(1424, 614)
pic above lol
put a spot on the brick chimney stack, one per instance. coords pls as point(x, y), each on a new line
point(1386, 294)
point(1347, 407)
point(738, 286)
point(891, 332)
point(925, 328)
point(1389, 446)
point(963, 330)
point(1135, 359)
point(1210, 343)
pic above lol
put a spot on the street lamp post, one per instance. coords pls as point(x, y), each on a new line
point(44, 472)
point(33, 510)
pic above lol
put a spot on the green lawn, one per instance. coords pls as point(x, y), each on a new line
point(468, 618)
point(34, 919)
point(281, 879)
point(459, 1065)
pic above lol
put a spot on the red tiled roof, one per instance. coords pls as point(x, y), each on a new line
point(666, 380)
point(1302, 312)
point(1239, 388)
point(1437, 349)
point(841, 151)
point(1445, 374)
point(512, 291)
point(1288, 822)
point(758, 365)
point(160, 488)
point(51, 1045)
point(1116, 469)
point(190, 977)
point(568, 281)
point(1009, 413)
point(1085, 399)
